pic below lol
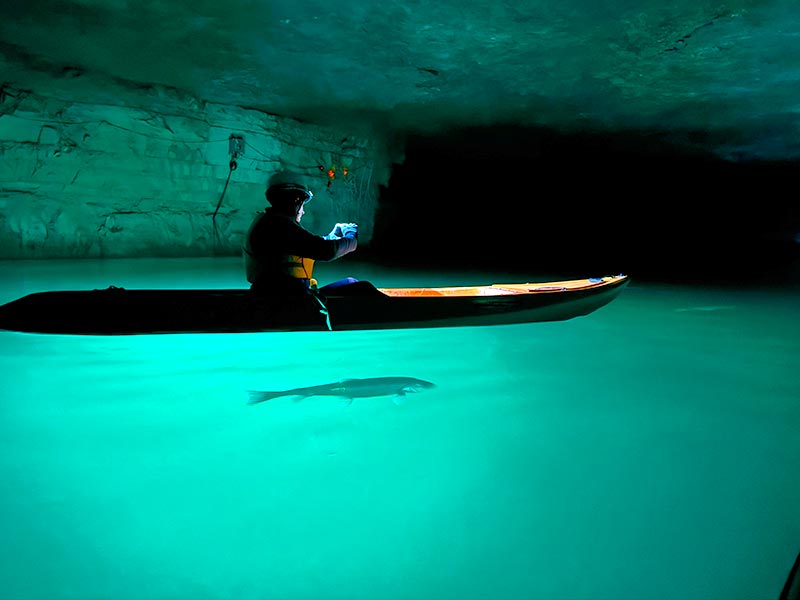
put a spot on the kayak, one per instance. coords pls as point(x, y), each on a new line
point(120, 311)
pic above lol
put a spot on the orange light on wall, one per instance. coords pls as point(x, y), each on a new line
point(331, 172)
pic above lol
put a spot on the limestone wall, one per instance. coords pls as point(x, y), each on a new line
point(90, 180)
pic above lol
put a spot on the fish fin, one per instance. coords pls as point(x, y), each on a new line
point(399, 399)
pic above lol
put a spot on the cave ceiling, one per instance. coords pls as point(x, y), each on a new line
point(712, 76)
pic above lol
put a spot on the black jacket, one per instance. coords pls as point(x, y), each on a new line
point(274, 244)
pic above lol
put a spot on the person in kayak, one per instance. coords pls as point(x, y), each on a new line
point(279, 253)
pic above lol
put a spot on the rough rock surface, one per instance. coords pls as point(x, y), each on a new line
point(92, 180)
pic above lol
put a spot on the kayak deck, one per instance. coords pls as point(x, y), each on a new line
point(497, 289)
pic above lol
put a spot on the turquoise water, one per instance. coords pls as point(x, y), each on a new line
point(650, 450)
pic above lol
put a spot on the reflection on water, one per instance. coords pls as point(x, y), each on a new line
point(649, 450)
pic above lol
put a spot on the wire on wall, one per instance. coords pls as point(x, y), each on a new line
point(235, 149)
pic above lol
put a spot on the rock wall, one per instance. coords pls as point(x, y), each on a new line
point(101, 180)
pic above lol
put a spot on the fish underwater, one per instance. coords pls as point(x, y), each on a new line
point(372, 387)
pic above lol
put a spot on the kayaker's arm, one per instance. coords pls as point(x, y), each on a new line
point(319, 248)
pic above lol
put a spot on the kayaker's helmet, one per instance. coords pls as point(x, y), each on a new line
point(285, 192)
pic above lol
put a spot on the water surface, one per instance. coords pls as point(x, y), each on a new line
point(649, 450)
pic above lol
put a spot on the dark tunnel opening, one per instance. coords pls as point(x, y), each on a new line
point(520, 199)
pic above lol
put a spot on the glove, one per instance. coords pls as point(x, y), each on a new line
point(335, 233)
point(349, 230)
point(338, 231)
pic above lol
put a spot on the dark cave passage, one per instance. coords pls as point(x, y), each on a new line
point(512, 198)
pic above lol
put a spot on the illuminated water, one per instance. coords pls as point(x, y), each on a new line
point(650, 450)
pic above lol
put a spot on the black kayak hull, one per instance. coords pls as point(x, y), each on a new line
point(117, 311)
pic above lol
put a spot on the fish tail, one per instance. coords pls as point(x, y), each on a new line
point(256, 397)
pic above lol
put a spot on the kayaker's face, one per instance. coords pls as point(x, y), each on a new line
point(300, 212)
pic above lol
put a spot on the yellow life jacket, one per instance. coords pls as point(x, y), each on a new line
point(300, 268)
